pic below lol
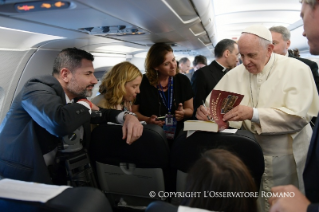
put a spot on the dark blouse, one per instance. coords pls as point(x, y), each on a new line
point(150, 102)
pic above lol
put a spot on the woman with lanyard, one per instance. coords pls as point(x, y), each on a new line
point(166, 97)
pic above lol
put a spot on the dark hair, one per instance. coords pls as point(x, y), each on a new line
point(70, 58)
point(200, 59)
point(183, 60)
point(223, 45)
point(290, 52)
point(296, 52)
point(220, 171)
point(155, 57)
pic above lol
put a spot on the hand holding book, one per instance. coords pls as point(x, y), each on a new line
point(222, 102)
point(212, 118)
point(239, 113)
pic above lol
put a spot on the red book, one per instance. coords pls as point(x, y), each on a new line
point(220, 103)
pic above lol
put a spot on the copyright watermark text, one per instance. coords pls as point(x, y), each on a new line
point(214, 194)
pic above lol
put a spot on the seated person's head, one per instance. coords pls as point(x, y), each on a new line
point(160, 61)
point(199, 62)
point(220, 171)
point(120, 85)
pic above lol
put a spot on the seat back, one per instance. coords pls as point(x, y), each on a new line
point(130, 170)
point(186, 151)
point(79, 199)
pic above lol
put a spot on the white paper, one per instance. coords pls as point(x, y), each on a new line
point(29, 191)
point(233, 131)
point(189, 133)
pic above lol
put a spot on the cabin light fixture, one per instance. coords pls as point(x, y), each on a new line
point(118, 30)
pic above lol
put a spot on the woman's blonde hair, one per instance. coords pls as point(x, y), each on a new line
point(155, 57)
point(113, 84)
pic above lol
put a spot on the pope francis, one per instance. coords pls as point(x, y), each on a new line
point(280, 98)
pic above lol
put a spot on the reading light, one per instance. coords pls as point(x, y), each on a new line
point(121, 27)
point(105, 29)
point(41, 6)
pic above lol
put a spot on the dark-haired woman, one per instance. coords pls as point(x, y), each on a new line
point(166, 97)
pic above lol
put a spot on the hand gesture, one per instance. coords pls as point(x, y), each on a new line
point(179, 113)
point(153, 120)
point(132, 129)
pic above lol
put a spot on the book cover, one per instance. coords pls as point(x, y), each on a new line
point(220, 103)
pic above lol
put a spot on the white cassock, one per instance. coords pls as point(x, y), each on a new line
point(286, 98)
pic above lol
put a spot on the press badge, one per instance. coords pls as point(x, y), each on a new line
point(169, 120)
point(170, 126)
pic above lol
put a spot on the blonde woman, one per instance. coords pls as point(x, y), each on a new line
point(119, 87)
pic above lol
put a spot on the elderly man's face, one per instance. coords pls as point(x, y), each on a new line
point(253, 54)
point(280, 45)
point(310, 17)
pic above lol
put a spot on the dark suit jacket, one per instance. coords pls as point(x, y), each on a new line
point(204, 80)
point(190, 75)
point(311, 172)
point(37, 119)
point(313, 66)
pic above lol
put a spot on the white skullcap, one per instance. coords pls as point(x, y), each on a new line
point(260, 31)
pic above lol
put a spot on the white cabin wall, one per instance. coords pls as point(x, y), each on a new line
point(12, 64)
point(139, 63)
point(41, 63)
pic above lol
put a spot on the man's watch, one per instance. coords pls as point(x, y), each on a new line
point(128, 113)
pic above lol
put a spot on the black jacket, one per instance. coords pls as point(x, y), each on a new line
point(311, 172)
point(37, 119)
point(204, 80)
point(313, 66)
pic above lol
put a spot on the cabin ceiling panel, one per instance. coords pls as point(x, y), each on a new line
point(79, 17)
point(164, 20)
point(142, 13)
point(231, 19)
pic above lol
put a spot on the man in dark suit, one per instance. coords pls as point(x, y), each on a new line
point(200, 61)
point(310, 202)
point(40, 118)
point(206, 78)
point(281, 41)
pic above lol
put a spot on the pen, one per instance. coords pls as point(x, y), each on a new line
point(206, 108)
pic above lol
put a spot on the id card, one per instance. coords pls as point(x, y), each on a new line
point(170, 126)
point(169, 120)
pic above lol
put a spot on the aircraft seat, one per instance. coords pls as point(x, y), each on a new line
point(79, 199)
point(130, 170)
point(186, 151)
